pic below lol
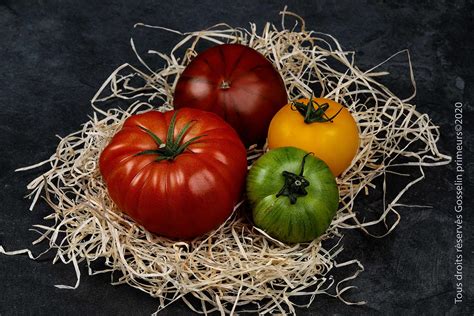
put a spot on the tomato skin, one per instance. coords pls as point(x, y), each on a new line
point(336, 142)
point(311, 215)
point(237, 83)
point(181, 198)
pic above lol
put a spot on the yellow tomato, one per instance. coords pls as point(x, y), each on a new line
point(327, 129)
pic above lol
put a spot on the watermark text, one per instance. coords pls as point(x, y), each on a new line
point(458, 206)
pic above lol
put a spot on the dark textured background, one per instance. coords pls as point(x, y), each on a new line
point(55, 54)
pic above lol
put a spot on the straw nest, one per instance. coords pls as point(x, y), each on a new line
point(237, 267)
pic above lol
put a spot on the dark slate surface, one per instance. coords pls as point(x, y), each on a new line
point(54, 54)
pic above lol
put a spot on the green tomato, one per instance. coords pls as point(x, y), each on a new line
point(293, 195)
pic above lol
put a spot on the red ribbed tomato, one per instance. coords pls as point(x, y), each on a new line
point(237, 83)
point(179, 173)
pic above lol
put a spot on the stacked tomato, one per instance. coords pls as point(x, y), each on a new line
point(180, 173)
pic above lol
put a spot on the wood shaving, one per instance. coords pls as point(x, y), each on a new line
point(236, 268)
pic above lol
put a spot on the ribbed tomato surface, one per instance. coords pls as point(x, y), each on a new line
point(180, 197)
point(293, 194)
point(237, 83)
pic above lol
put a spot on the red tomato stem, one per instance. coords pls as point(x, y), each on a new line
point(173, 147)
point(225, 85)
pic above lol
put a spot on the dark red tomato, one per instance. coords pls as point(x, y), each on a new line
point(179, 173)
point(237, 83)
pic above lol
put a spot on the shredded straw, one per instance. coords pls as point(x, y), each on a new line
point(236, 268)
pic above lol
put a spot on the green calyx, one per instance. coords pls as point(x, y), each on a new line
point(313, 111)
point(295, 184)
point(170, 149)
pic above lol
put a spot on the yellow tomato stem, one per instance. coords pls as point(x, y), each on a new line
point(313, 112)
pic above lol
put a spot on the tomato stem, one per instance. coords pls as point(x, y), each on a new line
point(313, 111)
point(225, 85)
point(170, 149)
point(295, 184)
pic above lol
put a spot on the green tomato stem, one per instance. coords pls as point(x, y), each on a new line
point(170, 149)
point(295, 184)
point(313, 112)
